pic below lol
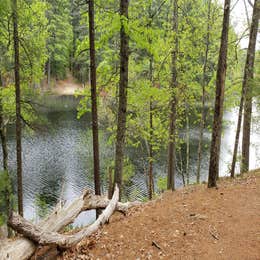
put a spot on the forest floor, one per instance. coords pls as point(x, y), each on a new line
point(190, 223)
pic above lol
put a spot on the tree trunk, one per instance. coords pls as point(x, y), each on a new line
point(42, 237)
point(173, 104)
point(122, 107)
point(110, 183)
point(49, 72)
point(93, 81)
point(220, 88)
point(3, 131)
point(5, 157)
point(181, 168)
point(23, 248)
point(248, 78)
point(187, 145)
point(18, 108)
point(203, 115)
point(151, 184)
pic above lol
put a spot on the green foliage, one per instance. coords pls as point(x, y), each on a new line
point(151, 41)
point(162, 183)
point(42, 206)
point(29, 114)
point(59, 40)
point(57, 31)
point(5, 188)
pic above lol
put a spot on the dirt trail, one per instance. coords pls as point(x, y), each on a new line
point(67, 86)
point(191, 223)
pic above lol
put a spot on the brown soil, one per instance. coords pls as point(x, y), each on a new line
point(191, 223)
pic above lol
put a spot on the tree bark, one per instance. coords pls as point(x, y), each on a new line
point(248, 78)
point(187, 144)
point(5, 157)
point(151, 130)
point(220, 88)
point(93, 81)
point(203, 114)
point(3, 130)
point(122, 107)
point(151, 184)
point(42, 237)
point(23, 248)
point(18, 107)
point(173, 103)
point(49, 71)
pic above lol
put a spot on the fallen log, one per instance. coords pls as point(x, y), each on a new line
point(37, 234)
point(22, 248)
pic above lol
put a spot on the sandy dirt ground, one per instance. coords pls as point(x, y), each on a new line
point(68, 86)
point(190, 223)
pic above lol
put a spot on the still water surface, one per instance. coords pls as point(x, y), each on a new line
point(57, 163)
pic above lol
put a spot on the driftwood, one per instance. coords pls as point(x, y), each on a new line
point(22, 248)
point(37, 234)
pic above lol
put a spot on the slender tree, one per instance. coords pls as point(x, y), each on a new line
point(219, 100)
point(94, 112)
point(247, 86)
point(3, 131)
point(18, 107)
point(173, 101)
point(122, 106)
point(187, 143)
point(203, 97)
point(151, 111)
point(151, 184)
point(5, 157)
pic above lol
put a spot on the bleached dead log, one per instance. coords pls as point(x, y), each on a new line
point(37, 234)
point(22, 248)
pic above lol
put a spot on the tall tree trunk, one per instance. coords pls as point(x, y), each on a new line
point(18, 107)
point(204, 76)
point(94, 96)
point(151, 130)
point(173, 103)
point(49, 72)
point(122, 106)
point(220, 88)
point(181, 167)
point(3, 131)
point(94, 112)
point(248, 77)
point(187, 145)
point(5, 157)
point(151, 185)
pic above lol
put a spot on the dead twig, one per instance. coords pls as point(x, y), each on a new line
point(156, 245)
point(213, 232)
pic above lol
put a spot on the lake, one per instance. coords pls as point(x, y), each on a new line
point(57, 162)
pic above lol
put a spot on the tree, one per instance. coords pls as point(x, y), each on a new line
point(203, 84)
point(248, 87)
point(3, 137)
point(173, 101)
point(3, 129)
point(18, 107)
point(27, 43)
point(219, 99)
point(123, 83)
point(94, 95)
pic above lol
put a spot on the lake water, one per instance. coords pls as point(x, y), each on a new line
point(57, 162)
